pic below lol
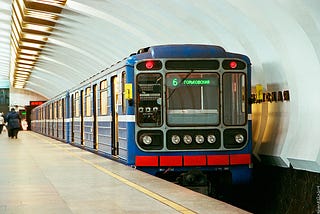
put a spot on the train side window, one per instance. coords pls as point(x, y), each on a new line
point(51, 111)
point(60, 113)
point(77, 103)
point(88, 101)
point(103, 98)
point(56, 109)
point(46, 111)
point(124, 101)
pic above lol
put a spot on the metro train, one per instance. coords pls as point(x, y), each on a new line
point(165, 109)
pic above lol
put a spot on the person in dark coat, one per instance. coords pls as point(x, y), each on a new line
point(2, 122)
point(13, 119)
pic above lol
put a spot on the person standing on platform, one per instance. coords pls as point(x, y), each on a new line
point(1, 122)
point(13, 119)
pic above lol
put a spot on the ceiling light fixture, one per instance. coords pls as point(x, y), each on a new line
point(32, 22)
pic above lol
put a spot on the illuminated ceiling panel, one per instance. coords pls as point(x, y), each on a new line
point(32, 24)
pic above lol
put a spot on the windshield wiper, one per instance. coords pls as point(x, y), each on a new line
point(172, 92)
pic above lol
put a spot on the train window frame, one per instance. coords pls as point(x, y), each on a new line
point(103, 96)
point(51, 111)
point(179, 114)
point(55, 110)
point(77, 104)
point(88, 101)
point(46, 111)
point(60, 109)
point(241, 105)
point(159, 101)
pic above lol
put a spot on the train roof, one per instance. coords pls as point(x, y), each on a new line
point(185, 51)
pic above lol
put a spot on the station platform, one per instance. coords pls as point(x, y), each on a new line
point(42, 175)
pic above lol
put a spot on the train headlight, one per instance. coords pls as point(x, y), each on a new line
point(147, 139)
point(175, 139)
point(239, 138)
point(187, 139)
point(199, 139)
point(211, 138)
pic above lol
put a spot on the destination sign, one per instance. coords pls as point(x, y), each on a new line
point(196, 82)
point(175, 82)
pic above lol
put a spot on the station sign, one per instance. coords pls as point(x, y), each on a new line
point(36, 103)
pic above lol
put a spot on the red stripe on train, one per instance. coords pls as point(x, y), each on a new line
point(240, 159)
point(218, 160)
point(146, 160)
point(199, 160)
point(196, 160)
point(170, 160)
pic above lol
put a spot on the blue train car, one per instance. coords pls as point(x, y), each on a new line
point(167, 108)
point(50, 118)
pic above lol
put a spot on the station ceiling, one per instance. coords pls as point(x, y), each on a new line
point(71, 40)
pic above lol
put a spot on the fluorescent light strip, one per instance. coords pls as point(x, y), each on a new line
point(37, 27)
point(31, 52)
point(23, 56)
point(34, 37)
point(32, 45)
point(51, 2)
point(23, 72)
point(42, 15)
point(24, 66)
point(29, 62)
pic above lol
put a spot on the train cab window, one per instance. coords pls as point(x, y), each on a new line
point(192, 98)
point(77, 104)
point(149, 100)
point(103, 98)
point(234, 98)
point(88, 101)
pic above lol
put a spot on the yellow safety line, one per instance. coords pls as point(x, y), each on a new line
point(154, 195)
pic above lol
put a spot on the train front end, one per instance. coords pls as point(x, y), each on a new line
point(192, 111)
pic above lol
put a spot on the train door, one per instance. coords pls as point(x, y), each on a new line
point(46, 119)
point(95, 125)
point(56, 118)
point(43, 119)
point(82, 116)
point(72, 118)
point(51, 132)
point(114, 114)
point(63, 108)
